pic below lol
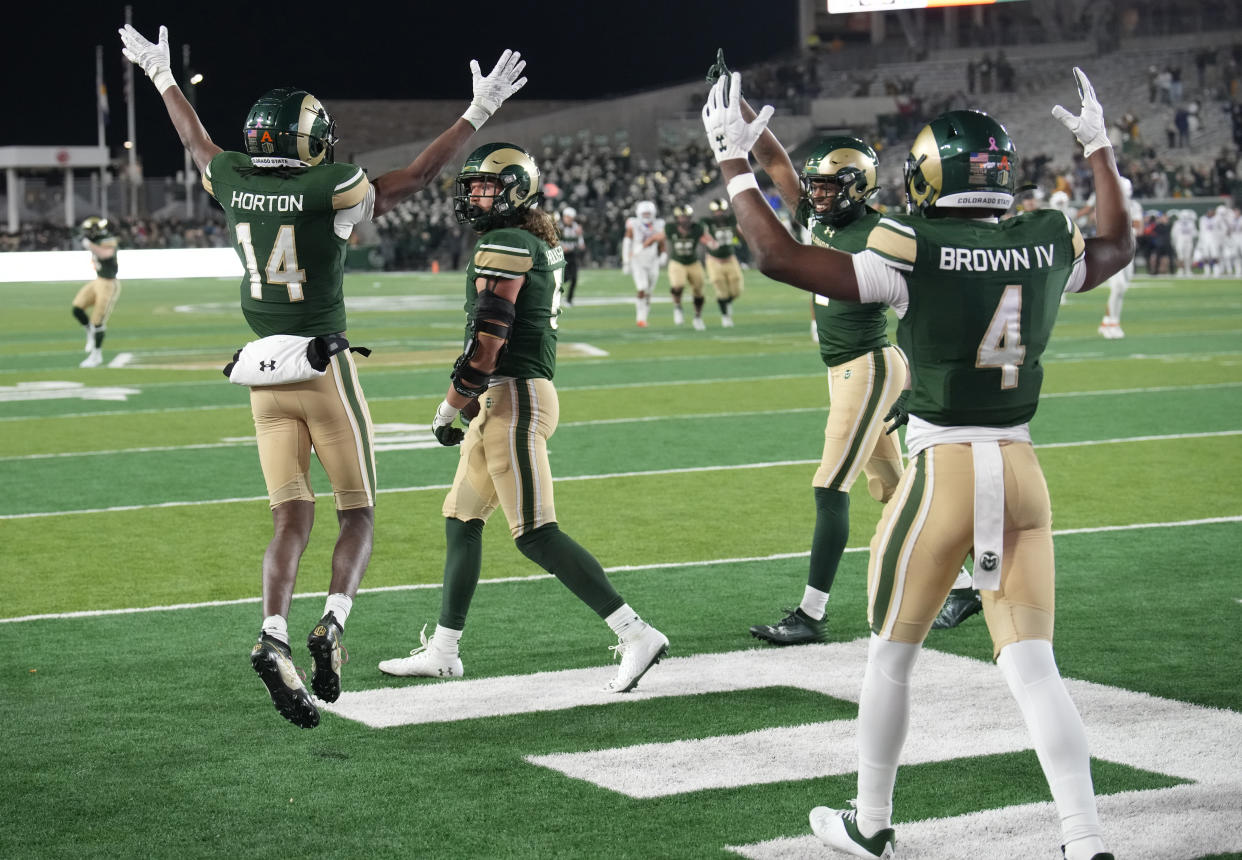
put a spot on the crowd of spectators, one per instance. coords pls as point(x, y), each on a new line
point(208, 232)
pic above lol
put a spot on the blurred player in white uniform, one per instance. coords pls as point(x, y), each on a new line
point(644, 252)
point(1231, 241)
point(1183, 234)
point(1208, 250)
point(1110, 326)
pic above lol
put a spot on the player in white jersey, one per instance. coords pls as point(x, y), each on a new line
point(644, 251)
point(1230, 244)
point(1184, 231)
point(1110, 326)
point(1208, 250)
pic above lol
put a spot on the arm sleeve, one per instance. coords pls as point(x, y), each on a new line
point(345, 219)
point(879, 282)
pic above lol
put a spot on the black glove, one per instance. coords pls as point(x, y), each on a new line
point(898, 414)
point(718, 69)
point(448, 435)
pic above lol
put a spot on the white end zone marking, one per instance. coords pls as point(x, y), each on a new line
point(953, 697)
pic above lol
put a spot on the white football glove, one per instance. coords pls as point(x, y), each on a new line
point(152, 59)
point(1089, 127)
point(490, 92)
point(728, 134)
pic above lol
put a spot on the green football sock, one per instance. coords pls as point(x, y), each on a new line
point(562, 556)
point(463, 563)
point(832, 531)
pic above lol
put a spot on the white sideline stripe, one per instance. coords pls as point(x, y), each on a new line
point(620, 568)
point(621, 385)
point(603, 476)
point(121, 359)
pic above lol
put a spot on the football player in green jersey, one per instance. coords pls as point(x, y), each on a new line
point(684, 268)
point(291, 211)
point(513, 295)
point(976, 298)
point(723, 268)
point(100, 293)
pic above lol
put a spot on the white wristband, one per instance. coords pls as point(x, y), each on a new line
point(163, 79)
point(740, 183)
point(476, 116)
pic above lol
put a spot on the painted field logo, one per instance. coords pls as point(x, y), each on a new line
point(51, 390)
point(1201, 746)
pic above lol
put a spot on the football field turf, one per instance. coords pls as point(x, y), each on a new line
point(134, 518)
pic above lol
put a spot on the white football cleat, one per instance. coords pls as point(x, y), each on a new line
point(94, 359)
point(637, 656)
point(727, 321)
point(425, 661)
point(838, 828)
point(699, 325)
point(1110, 329)
point(679, 316)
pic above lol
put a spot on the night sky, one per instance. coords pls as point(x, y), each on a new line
point(575, 50)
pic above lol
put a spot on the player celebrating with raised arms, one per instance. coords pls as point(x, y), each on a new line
point(976, 298)
point(290, 212)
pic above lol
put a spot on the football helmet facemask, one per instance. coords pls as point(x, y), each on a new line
point(94, 228)
point(852, 166)
point(289, 128)
point(962, 159)
point(517, 179)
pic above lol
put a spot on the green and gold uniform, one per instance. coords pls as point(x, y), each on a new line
point(291, 229)
point(866, 374)
point(284, 228)
point(683, 261)
point(723, 268)
point(504, 456)
point(977, 301)
point(101, 293)
point(513, 253)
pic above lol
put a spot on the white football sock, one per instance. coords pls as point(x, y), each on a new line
point(814, 603)
point(277, 627)
point(883, 720)
point(625, 622)
point(339, 605)
point(1060, 740)
point(445, 640)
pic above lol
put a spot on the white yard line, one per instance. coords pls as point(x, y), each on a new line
point(623, 568)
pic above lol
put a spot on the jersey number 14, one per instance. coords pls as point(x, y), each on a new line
point(282, 263)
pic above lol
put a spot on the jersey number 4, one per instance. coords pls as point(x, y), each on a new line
point(282, 263)
point(1002, 344)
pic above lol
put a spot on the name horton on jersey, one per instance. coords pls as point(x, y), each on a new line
point(989, 260)
point(266, 202)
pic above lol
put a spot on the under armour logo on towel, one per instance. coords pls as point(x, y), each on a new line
point(267, 365)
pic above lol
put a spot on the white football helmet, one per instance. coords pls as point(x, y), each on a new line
point(1059, 200)
point(1127, 188)
point(570, 213)
point(646, 211)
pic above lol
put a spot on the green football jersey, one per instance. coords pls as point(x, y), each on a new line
point(724, 231)
point(983, 298)
point(846, 329)
point(283, 228)
point(684, 244)
point(107, 268)
point(514, 253)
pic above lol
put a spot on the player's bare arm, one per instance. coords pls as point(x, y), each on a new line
point(816, 270)
point(769, 152)
point(153, 59)
point(1112, 248)
point(102, 252)
point(486, 353)
point(490, 92)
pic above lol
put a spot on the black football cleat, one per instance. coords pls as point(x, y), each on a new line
point(324, 643)
point(958, 606)
point(272, 661)
point(796, 628)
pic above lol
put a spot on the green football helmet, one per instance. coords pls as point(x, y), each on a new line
point(94, 228)
point(718, 209)
point(961, 159)
point(680, 212)
point(852, 166)
point(512, 168)
point(289, 128)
